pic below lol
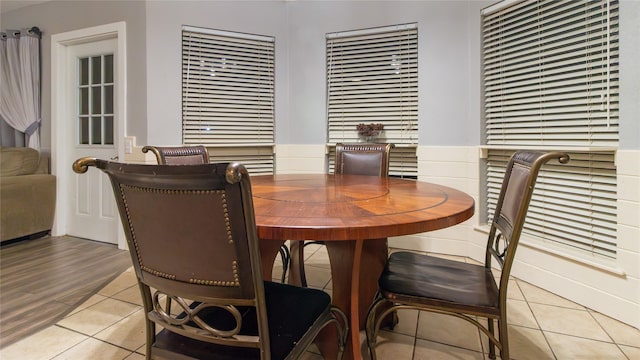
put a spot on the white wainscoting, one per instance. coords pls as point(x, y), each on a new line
point(300, 159)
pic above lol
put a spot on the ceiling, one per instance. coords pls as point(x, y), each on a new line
point(9, 5)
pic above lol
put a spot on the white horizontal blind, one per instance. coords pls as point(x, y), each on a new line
point(550, 65)
point(573, 205)
point(257, 159)
point(228, 95)
point(551, 82)
point(372, 77)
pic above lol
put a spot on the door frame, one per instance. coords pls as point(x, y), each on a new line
point(61, 127)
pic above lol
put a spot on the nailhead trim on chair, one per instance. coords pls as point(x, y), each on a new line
point(223, 196)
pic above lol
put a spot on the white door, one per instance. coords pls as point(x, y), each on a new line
point(91, 82)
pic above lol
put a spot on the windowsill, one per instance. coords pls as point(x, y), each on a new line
point(239, 145)
point(396, 145)
point(602, 265)
point(484, 149)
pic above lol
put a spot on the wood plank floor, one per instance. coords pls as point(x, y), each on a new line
point(42, 280)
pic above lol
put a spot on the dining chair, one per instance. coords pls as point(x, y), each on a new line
point(198, 154)
point(179, 155)
point(192, 237)
point(423, 282)
point(370, 159)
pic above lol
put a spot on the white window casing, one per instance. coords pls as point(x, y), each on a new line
point(550, 82)
point(228, 86)
point(372, 77)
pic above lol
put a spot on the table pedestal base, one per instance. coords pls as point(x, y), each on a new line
point(355, 268)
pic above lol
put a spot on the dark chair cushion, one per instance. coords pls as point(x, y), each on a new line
point(425, 279)
point(291, 311)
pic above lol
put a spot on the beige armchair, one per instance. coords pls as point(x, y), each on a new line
point(27, 193)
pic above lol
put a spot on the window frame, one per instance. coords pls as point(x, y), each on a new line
point(593, 148)
point(228, 84)
point(389, 97)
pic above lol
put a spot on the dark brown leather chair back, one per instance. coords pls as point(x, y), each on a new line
point(363, 159)
point(511, 209)
point(179, 155)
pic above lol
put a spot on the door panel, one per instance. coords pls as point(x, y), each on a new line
point(92, 110)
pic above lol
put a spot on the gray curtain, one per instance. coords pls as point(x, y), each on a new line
point(10, 136)
point(20, 82)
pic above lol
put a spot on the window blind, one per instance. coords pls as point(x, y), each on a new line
point(551, 82)
point(228, 95)
point(574, 204)
point(372, 78)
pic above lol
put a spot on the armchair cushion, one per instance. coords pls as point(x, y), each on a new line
point(27, 193)
point(16, 161)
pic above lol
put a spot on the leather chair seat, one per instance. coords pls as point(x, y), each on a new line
point(431, 280)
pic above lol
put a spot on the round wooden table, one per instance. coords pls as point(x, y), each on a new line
point(354, 215)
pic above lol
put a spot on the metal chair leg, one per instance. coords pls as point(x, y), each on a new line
point(492, 346)
point(285, 255)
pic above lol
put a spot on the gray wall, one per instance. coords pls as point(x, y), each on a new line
point(448, 65)
point(629, 75)
point(449, 59)
point(164, 22)
point(61, 16)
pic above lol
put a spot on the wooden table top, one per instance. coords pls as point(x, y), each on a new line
point(347, 207)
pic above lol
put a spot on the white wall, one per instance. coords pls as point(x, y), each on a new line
point(449, 106)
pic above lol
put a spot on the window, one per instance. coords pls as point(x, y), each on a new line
point(551, 83)
point(372, 78)
point(95, 100)
point(228, 96)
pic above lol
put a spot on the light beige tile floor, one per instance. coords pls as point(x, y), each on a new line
point(542, 325)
